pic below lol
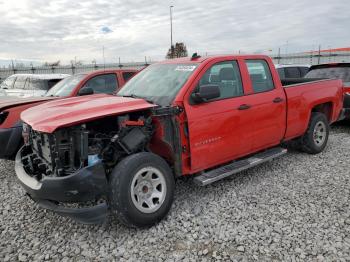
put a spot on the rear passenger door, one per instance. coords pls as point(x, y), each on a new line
point(267, 104)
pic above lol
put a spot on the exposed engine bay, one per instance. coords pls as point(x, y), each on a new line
point(69, 149)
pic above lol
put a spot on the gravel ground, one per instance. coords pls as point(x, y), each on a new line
point(293, 208)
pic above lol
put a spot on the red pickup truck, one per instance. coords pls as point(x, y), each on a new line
point(209, 117)
point(103, 81)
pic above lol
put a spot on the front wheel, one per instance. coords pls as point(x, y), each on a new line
point(141, 189)
point(316, 136)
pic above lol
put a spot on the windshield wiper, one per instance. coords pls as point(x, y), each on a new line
point(139, 97)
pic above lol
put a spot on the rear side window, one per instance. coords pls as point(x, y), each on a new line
point(227, 76)
point(36, 84)
point(292, 72)
point(106, 84)
point(20, 82)
point(260, 75)
point(128, 75)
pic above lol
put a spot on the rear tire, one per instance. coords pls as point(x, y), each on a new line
point(141, 190)
point(316, 136)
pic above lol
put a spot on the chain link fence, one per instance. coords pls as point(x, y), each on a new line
point(312, 58)
point(70, 69)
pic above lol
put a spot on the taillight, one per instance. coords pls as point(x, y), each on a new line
point(3, 116)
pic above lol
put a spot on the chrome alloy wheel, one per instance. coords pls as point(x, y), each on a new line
point(320, 133)
point(148, 189)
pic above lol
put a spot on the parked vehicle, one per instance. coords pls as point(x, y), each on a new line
point(209, 117)
point(28, 85)
point(104, 81)
point(334, 70)
point(292, 71)
point(286, 71)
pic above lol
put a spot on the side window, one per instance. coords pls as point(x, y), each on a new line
point(227, 76)
point(303, 71)
point(128, 75)
point(20, 82)
point(8, 82)
point(106, 84)
point(292, 72)
point(260, 75)
point(36, 84)
point(281, 73)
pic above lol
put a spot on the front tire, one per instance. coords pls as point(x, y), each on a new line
point(315, 139)
point(141, 190)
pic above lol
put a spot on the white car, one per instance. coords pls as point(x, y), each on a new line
point(28, 85)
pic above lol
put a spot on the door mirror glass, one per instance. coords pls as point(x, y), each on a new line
point(205, 93)
point(84, 91)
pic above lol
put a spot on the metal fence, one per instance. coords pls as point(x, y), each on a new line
point(312, 58)
point(70, 69)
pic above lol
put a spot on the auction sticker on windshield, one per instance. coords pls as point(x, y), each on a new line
point(185, 68)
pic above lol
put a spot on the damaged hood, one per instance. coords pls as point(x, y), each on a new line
point(8, 102)
point(71, 111)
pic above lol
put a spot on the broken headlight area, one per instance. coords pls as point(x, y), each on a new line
point(69, 149)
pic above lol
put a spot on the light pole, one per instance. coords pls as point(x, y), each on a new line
point(171, 31)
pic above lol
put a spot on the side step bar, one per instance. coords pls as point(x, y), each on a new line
point(238, 166)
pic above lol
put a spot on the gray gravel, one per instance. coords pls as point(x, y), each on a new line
point(293, 208)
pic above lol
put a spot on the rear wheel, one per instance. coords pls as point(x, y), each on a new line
point(141, 189)
point(316, 137)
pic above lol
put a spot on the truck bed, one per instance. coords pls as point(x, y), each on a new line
point(295, 81)
point(300, 92)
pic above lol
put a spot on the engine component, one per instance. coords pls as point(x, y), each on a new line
point(133, 140)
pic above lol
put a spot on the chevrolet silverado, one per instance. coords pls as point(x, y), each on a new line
point(209, 117)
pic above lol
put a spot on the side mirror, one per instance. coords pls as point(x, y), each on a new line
point(84, 91)
point(205, 93)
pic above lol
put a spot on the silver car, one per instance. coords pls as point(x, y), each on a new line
point(28, 85)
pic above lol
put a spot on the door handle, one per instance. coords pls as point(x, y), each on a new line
point(244, 107)
point(277, 100)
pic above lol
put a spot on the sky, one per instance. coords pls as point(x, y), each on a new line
point(65, 30)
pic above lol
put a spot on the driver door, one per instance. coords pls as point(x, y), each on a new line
point(220, 129)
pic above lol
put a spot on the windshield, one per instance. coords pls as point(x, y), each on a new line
point(158, 83)
point(342, 73)
point(66, 86)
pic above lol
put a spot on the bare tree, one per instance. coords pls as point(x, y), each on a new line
point(179, 50)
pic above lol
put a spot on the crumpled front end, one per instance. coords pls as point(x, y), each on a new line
point(67, 171)
point(80, 195)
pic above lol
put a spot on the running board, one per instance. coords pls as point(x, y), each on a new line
point(238, 166)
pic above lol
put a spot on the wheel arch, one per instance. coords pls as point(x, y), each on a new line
point(324, 108)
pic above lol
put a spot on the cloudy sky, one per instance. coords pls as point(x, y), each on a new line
point(42, 30)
